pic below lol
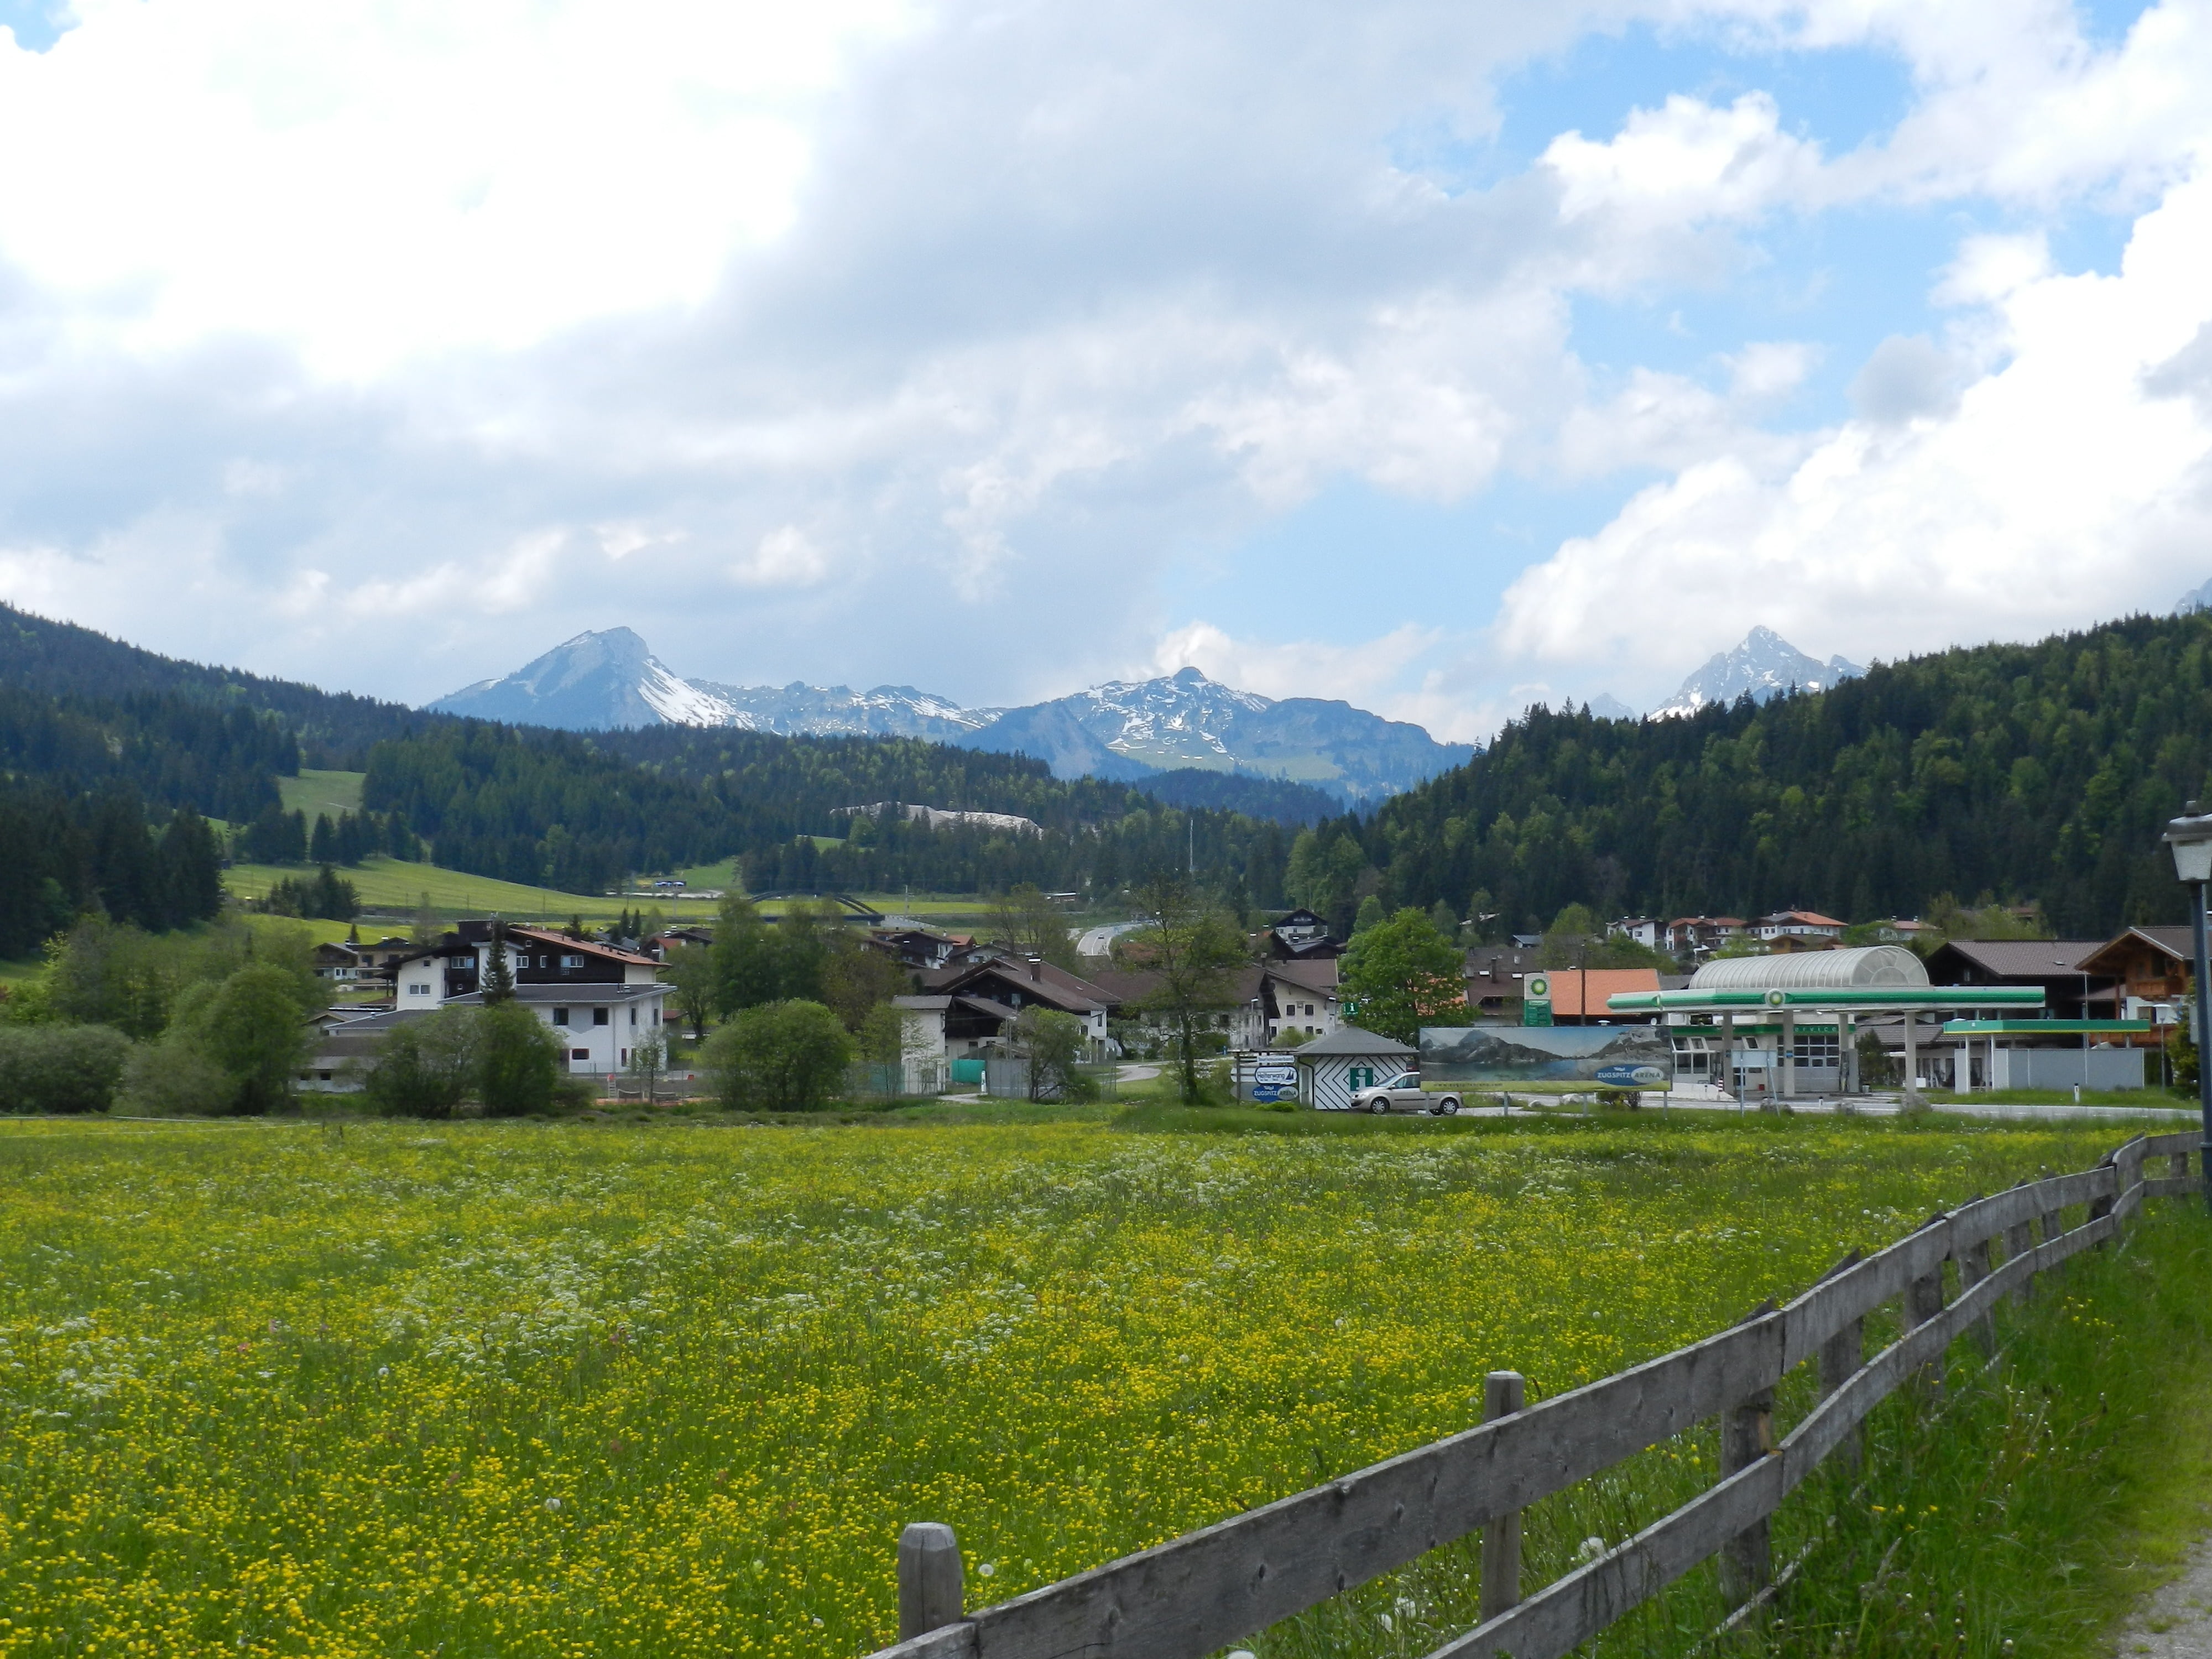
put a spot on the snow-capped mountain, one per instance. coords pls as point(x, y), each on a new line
point(1765, 665)
point(2196, 599)
point(589, 684)
point(597, 681)
point(1127, 728)
point(801, 709)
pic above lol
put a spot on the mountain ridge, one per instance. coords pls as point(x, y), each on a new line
point(1764, 666)
point(1122, 730)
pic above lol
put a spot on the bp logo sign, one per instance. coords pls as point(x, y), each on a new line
point(1776, 999)
point(1536, 1000)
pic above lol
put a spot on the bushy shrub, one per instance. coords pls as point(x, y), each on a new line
point(427, 1067)
point(60, 1068)
point(174, 1079)
point(518, 1062)
point(778, 1057)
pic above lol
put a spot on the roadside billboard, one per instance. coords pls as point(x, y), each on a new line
point(1609, 1056)
point(1264, 1079)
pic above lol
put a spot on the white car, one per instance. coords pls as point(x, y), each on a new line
point(1403, 1093)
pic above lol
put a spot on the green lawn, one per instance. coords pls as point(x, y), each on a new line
point(388, 884)
point(321, 793)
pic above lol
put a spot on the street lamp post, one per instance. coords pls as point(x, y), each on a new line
point(2190, 838)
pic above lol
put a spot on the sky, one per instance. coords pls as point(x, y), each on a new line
point(1443, 357)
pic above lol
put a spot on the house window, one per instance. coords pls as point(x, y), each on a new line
point(598, 1015)
point(580, 1054)
point(633, 1016)
point(572, 962)
point(418, 990)
point(560, 1015)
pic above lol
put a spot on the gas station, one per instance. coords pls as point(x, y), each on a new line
point(1780, 1028)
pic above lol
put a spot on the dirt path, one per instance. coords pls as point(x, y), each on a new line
point(2176, 1622)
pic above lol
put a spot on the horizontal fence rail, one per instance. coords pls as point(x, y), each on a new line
point(1193, 1595)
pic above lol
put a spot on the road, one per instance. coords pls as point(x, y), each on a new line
point(1097, 941)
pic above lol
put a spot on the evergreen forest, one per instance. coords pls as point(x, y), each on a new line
point(2040, 772)
point(2037, 773)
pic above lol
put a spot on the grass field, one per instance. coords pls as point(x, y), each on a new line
point(390, 884)
point(540, 1389)
point(321, 793)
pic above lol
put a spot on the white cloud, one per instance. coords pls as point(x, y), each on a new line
point(371, 181)
point(785, 557)
point(2057, 488)
point(411, 330)
point(1687, 162)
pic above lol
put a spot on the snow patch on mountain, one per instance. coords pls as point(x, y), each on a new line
point(1764, 666)
point(683, 702)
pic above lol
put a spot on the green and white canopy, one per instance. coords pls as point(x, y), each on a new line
point(1872, 978)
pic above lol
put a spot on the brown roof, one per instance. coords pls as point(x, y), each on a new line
point(1039, 980)
point(2017, 959)
point(550, 936)
point(1497, 965)
point(1576, 992)
point(1314, 975)
point(1125, 986)
point(2179, 943)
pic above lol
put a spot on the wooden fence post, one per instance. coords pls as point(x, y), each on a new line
point(1923, 1301)
point(2099, 1208)
point(929, 1591)
point(2019, 1241)
point(1504, 1393)
point(1747, 1436)
point(1975, 1261)
point(1747, 1558)
point(2176, 1165)
point(1841, 1357)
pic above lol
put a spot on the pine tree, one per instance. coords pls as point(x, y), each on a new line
point(498, 981)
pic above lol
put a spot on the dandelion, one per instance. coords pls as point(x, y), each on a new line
point(1591, 1549)
point(540, 1284)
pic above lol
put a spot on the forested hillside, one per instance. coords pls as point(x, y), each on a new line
point(79, 712)
point(583, 812)
point(332, 728)
point(2038, 772)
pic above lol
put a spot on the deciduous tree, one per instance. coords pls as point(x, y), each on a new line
point(1402, 974)
point(777, 1056)
point(1196, 950)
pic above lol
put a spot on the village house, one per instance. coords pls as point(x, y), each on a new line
point(1494, 974)
point(2072, 989)
point(1301, 936)
point(1578, 994)
point(2148, 971)
point(1700, 936)
point(1800, 927)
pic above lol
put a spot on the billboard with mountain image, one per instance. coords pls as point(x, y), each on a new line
point(1607, 1056)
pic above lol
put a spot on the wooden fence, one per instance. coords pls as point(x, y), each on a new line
point(1197, 1593)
